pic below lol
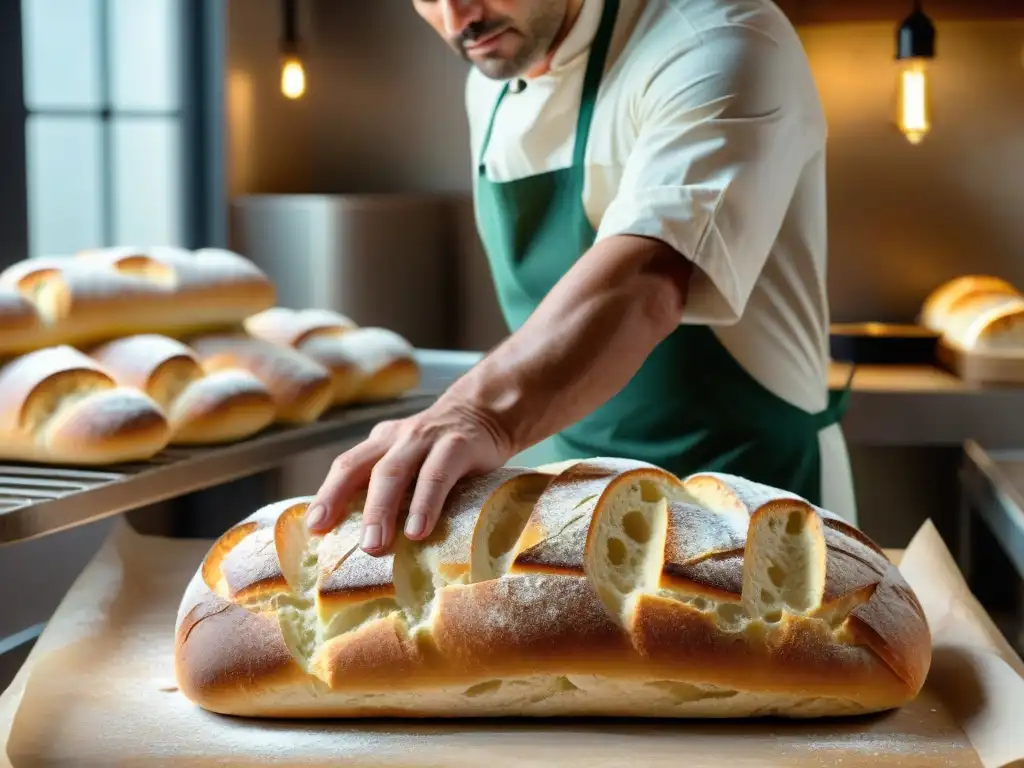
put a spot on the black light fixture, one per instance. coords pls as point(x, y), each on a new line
point(293, 74)
point(915, 47)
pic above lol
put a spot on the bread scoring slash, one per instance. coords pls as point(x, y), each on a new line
point(602, 587)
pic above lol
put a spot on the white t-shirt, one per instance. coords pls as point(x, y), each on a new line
point(709, 135)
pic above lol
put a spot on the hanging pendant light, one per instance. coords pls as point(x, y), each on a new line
point(293, 74)
point(915, 47)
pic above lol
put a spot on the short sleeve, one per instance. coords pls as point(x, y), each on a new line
point(723, 134)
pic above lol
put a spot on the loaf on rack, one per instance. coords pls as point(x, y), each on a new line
point(605, 587)
point(202, 408)
point(366, 364)
point(57, 406)
point(20, 324)
point(301, 387)
point(99, 295)
point(978, 313)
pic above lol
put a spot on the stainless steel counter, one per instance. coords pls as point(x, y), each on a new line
point(990, 549)
point(37, 500)
point(924, 406)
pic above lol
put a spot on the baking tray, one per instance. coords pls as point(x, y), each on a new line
point(882, 344)
point(99, 690)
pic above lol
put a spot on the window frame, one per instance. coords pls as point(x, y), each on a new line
point(200, 118)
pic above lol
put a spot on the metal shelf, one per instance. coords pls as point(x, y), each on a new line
point(36, 500)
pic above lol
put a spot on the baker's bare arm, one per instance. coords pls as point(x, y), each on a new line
point(581, 346)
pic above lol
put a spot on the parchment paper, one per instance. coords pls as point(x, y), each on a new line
point(98, 690)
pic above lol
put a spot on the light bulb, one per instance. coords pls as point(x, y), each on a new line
point(293, 77)
point(913, 116)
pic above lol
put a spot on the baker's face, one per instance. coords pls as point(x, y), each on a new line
point(502, 38)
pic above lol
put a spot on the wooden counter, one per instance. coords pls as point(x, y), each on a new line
point(927, 406)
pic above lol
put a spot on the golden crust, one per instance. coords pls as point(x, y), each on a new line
point(109, 293)
point(941, 303)
point(202, 408)
point(300, 387)
point(715, 612)
point(366, 364)
point(222, 648)
point(292, 328)
point(57, 405)
point(793, 655)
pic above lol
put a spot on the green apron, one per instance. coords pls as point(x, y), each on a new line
point(691, 407)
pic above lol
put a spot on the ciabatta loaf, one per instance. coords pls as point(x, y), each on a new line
point(202, 408)
point(986, 323)
point(301, 388)
point(977, 313)
point(604, 587)
point(367, 364)
point(20, 323)
point(292, 328)
point(109, 293)
point(940, 303)
point(313, 332)
point(58, 406)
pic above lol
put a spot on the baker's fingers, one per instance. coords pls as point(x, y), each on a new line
point(449, 460)
point(389, 481)
point(349, 474)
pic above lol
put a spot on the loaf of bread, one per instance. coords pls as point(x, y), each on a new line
point(366, 364)
point(605, 587)
point(301, 388)
point(104, 294)
point(978, 313)
point(943, 300)
point(59, 407)
point(20, 324)
point(202, 408)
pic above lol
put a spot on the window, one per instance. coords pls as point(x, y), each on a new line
point(111, 93)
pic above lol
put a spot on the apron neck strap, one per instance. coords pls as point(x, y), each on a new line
point(591, 86)
point(490, 125)
point(592, 79)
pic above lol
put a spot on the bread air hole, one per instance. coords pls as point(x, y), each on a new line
point(482, 689)
point(686, 693)
point(636, 527)
point(731, 614)
point(616, 552)
point(522, 691)
point(795, 523)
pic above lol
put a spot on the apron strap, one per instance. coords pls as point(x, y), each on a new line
point(592, 79)
point(591, 86)
point(838, 404)
point(490, 127)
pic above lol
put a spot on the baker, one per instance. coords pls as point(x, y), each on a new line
point(650, 191)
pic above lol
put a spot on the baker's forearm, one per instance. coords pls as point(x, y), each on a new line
point(584, 342)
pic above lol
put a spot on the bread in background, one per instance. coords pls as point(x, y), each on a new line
point(611, 588)
point(57, 406)
point(366, 364)
point(977, 313)
point(203, 408)
point(109, 293)
point(302, 389)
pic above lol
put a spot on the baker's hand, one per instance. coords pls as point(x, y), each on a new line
point(431, 451)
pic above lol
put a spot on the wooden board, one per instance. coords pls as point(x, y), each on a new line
point(901, 379)
point(99, 690)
